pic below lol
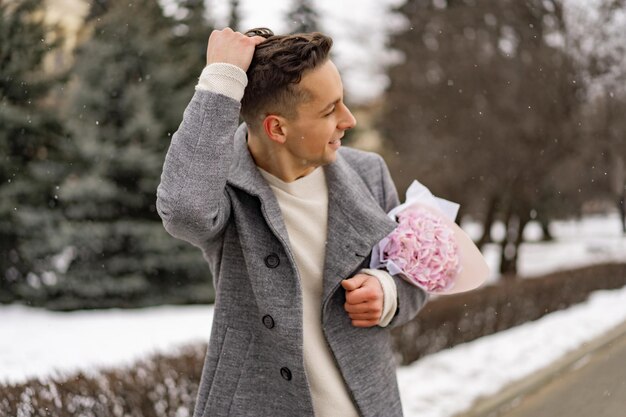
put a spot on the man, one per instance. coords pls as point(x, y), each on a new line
point(286, 219)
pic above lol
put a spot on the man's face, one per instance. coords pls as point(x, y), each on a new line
point(314, 136)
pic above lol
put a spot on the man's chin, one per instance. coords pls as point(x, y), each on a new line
point(331, 157)
point(328, 158)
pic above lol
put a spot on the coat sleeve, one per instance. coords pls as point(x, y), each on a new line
point(411, 299)
point(191, 197)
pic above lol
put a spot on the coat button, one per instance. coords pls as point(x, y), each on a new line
point(272, 260)
point(268, 321)
point(285, 373)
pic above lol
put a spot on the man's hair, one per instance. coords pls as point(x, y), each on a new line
point(276, 69)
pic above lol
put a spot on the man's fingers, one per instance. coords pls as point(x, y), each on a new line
point(361, 295)
point(355, 282)
point(364, 323)
point(357, 308)
point(232, 47)
point(258, 39)
point(372, 307)
point(364, 316)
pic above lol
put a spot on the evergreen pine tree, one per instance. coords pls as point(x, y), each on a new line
point(188, 57)
point(303, 17)
point(130, 91)
point(32, 144)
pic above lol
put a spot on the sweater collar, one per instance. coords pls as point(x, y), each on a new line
point(311, 186)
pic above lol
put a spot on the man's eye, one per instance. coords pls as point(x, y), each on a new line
point(329, 113)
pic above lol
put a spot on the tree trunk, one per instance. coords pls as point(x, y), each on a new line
point(523, 220)
point(618, 175)
point(516, 223)
point(488, 222)
point(547, 236)
point(622, 212)
point(505, 246)
point(9, 267)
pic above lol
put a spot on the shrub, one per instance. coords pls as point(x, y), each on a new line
point(160, 386)
point(449, 320)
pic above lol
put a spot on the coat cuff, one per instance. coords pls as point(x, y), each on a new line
point(226, 79)
point(390, 294)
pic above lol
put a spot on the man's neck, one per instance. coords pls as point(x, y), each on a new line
point(275, 160)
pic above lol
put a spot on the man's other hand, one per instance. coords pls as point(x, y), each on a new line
point(364, 300)
point(231, 47)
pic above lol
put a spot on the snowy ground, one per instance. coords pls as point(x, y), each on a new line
point(449, 382)
point(37, 343)
point(34, 342)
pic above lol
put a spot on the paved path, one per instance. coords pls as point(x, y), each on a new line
point(594, 387)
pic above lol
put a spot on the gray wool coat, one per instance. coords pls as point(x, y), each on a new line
point(212, 195)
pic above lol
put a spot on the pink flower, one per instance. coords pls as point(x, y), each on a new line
point(424, 249)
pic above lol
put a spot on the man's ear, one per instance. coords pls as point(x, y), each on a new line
point(275, 128)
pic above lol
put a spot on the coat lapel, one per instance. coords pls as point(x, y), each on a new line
point(356, 222)
point(245, 175)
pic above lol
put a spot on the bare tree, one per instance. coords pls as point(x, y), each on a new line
point(483, 107)
point(597, 39)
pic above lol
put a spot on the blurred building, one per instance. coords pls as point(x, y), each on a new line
point(69, 16)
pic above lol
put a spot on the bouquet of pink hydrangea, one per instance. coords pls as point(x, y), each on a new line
point(423, 248)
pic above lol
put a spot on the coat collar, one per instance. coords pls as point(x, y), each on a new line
point(356, 222)
point(245, 175)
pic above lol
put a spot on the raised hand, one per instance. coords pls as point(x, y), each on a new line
point(231, 47)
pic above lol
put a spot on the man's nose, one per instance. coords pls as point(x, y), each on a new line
point(347, 121)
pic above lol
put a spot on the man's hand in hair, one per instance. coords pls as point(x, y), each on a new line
point(231, 47)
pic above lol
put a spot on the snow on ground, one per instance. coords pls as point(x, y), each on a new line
point(448, 382)
point(36, 342)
